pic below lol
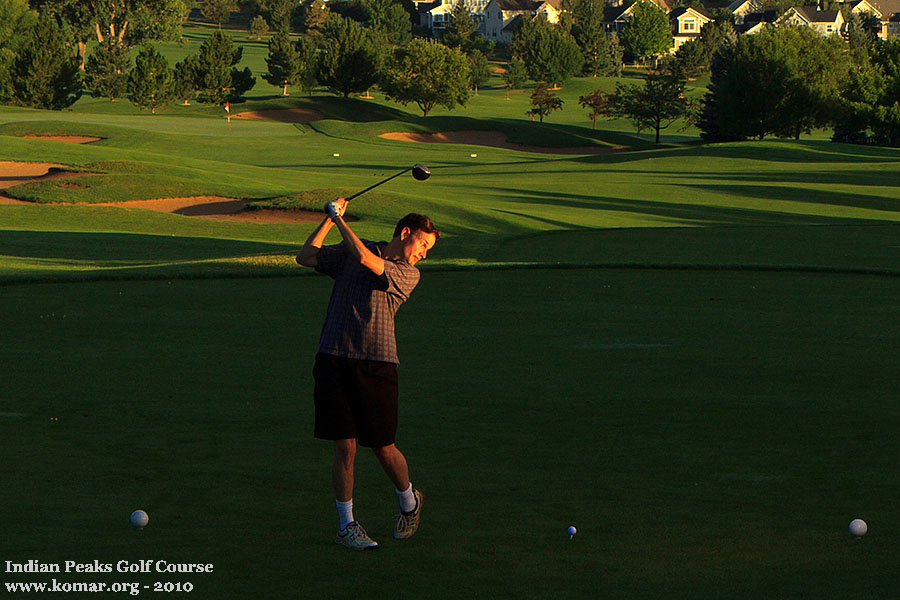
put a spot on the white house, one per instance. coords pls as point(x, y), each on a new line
point(436, 14)
point(824, 22)
point(686, 24)
point(501, 16)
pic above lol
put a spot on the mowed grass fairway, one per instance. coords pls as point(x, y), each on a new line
point(688, 352)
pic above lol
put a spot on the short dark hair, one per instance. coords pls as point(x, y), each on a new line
point(417, 222)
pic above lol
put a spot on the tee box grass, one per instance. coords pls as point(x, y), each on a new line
point(685, 352)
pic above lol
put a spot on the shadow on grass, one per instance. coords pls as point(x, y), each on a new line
point(127, 248)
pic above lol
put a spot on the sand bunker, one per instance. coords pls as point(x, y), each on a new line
point(494, 139)
point(282, 115)
point(69, 139)
point(13, 173)
point(212, 207)
point(218, 207)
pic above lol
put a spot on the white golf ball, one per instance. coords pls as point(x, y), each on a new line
point(139, 519)
point(858, 528)
point(572, 530)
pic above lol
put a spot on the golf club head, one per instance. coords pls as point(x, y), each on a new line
point(421, 172)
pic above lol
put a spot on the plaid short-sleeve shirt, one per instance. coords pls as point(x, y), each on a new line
point(359, 323)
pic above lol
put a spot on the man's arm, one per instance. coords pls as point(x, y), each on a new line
point(308, 255)
point(358, 250)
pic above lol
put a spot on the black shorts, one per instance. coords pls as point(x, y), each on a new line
point(356, 399)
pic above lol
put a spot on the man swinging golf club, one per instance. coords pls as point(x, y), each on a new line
point(356, 385)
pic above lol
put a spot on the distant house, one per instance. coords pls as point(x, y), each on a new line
point(502, 16)
point(435, 15)
point(755, 22)
point(616, 13)
point(686, 24)
point(741, 8)
point(825, 22)
point(887, 12)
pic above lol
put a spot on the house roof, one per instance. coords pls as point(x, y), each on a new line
point(816, 16)
point(887, 8)
point(681, 10)
point(424, 7)
point(525, 5)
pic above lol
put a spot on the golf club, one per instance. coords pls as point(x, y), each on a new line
point(420, 173)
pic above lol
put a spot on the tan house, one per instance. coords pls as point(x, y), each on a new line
point(887, 12)
point(501, 16)
point(825, 22)
point(741, 8)
point(686, 24)
point(436, 14)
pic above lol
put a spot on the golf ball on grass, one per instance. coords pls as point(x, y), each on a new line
point(139, 519)
point(858, 528)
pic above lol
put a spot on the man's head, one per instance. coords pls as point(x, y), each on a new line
point(414, 236)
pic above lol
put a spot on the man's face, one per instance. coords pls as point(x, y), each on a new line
point(416, 244)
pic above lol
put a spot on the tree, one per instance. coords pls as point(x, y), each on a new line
point(307, 54)
point(647, 32)
point(186, 75)
point(281, 13)
point(543, 102)
point(783, 81)
point(390, 18)
point(588, 31)
point(283, 61)
point(16, 21)
point(315, 14)
point(869, 105)
point(129, 22)
point(599, 103)
point(258, 27)
point(515, 75)
point(216, 77)
point(479, 69)
point(45, 72)
point(351, 59)
point(655, 105)
point(549, 54)
point(106, 70)
point(218, 11)
point(460, 31)
point(151, 82)
point(429, 74)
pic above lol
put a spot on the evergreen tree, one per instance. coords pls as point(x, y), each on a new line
point(429, 74)
point(283, 61)
point(45, 73)
point(550, 55)
point(647, 32)
point(515, 75)
point(390, 18)
point(218, 11)
point(588, 31)
point(16, 21)
point(479, 69)
point(351, 60)
point(217, 79)
point(258, 27)
point(460, 31)
point(307, 53)
point(314, 16)
point(151, 83)
point(106, 70)
point(186, 75)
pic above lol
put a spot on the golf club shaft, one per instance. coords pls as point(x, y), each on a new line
point(349, 198)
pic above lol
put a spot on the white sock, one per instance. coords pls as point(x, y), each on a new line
point(345, 512)
point(407, 499)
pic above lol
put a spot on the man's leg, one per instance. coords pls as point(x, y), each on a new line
point(342, 469)
point(394, 464)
